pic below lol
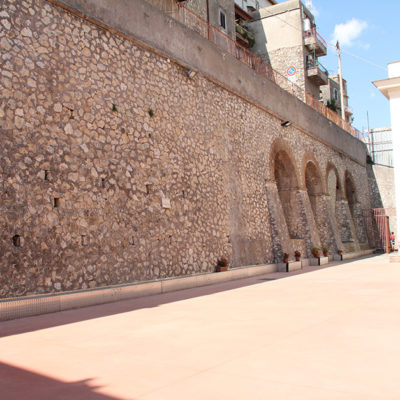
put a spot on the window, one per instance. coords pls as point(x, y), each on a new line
point(335, 94)
point(222, 19)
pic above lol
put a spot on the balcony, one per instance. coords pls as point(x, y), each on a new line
point(348, 110)
point(244, 37)
point(317, 73)
point(314, 42)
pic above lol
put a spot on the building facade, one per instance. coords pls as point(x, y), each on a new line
point(331, 97)
point(287, 38)
point(390, 88)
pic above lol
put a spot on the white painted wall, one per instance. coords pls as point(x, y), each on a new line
point(394, 99)
point(253, 3)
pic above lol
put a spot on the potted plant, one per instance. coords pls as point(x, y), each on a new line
point(325, 250)
point(285, 257)
point(316, 252)
point(297, 255)
point(222, 264)
point(340, 252)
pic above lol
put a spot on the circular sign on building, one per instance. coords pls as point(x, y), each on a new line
point(291, 71)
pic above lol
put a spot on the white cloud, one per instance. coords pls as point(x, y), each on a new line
point(349, 31)
point(312, 8)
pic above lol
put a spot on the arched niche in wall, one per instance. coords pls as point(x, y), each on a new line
point(333, 187)
point(287, 185)
point(350, 190)
point(338, 211)
point(313, 183)
point(355, 208)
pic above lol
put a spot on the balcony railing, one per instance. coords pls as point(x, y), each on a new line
point(317, 73)
point(245, 36)
point(317, 64)
point(219, 38)
point(316, 42)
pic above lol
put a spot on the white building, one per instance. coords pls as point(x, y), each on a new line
point(391, 89)
point(252, 5)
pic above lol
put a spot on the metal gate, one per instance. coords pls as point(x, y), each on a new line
point(377, 222)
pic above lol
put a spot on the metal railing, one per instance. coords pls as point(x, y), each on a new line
point(317, 64)
point(313, 33)
point(377, 222)
point(229, 45)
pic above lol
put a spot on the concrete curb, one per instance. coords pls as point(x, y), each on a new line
point(12, 308)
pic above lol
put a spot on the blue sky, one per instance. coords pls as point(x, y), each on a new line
point(369, 33)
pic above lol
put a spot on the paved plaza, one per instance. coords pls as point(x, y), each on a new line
point(326, 333)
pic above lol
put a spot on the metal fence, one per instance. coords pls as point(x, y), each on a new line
point(229, 45)
point(377, 222)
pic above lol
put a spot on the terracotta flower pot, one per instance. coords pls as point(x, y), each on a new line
point(220, 269)
point(326, 253)
point(297, 258)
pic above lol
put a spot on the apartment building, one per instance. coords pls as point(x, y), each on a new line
point(287, 38)
point(331, 97)
point(253, 5)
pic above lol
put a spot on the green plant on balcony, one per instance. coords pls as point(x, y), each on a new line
point(247, 35)
point(240, 29)
point(331, 104)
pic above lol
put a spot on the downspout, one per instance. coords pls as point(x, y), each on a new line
point(208, 20)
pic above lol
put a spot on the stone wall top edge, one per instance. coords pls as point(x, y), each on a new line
point(279, 8)
point(136, 18)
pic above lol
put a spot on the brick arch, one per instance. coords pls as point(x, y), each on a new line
point(339, 187)
point(284, 172)
point(280, 149)
point(351, 193)
point(350, 189)
point(309, 161)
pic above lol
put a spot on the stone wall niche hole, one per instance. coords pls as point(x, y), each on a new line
point(148, 187)
point(16, 240)
point(84, 240)
point(103, 183)
point(56, 202)
point(46, 175)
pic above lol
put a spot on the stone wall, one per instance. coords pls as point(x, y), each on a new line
point(116, 167)
point(382, 190)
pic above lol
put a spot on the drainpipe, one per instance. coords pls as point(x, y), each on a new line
point(208, 20)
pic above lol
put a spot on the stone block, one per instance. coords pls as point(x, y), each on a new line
point(290, 266)
point(319, 261)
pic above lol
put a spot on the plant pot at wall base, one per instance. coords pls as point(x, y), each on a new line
point(326, 253)
point(285, 257)
point(222, 265)
point(297, 255)
point(297, 258)
point(325, 250)
point(316, 252)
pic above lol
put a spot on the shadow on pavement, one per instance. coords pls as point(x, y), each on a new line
point(18, 384)
point(30, 324)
